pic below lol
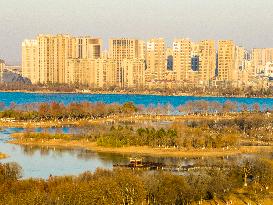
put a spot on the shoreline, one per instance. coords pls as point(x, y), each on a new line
point(137, 150)
point(131, 93)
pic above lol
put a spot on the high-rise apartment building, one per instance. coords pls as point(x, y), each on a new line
point(261, 56)
point(141, 49)
point(250, 69)
point(182, 52)
point(88, 47)
point(81, 69)
point(132, 63)
point(156, 60)
point(226, 60)
point(106, 73)
point(240, 70)
point(53, 51)
point(94, 73)
point(207, 61)
point(75, 71)
point(124, 48)
point(57, 58)
point(134, 73)
point(30, 60)
point(194, 63)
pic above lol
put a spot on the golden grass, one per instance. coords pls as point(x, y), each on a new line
point(139, 150)
point(135, 118)
point(2, 156)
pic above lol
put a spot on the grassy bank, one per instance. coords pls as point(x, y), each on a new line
point(140, 150)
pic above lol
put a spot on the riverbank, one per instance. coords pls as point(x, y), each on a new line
point(137, 150)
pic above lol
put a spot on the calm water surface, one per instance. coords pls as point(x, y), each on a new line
point(25, 98)
point(41, 162)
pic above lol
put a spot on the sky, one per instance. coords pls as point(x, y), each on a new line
point(248, 22)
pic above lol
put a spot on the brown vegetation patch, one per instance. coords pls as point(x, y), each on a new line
point(140, 150)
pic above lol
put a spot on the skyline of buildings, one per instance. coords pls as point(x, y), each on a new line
point(134, 63)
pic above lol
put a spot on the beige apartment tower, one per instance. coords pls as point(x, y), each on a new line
point(106, 73)
point(93, 73)
point(240, 71)
point(121, 49)
point(53, 51)
point(226, 60)
point(76, 71)
point(134, 73)
point(261, 56)
point(207, 61)
point(194, 63)
point(156, 60)
point(182, 51)
point(88, 47)
point(30, 66)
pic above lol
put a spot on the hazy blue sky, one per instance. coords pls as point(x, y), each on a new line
point(248, 22)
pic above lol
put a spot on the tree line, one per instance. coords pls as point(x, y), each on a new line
point(212, 107)
point(176, 137)
point(217, 181)
point(124, 136)
point(58, 111)
point(87, 110)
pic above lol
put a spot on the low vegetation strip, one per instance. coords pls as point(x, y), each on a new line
point(67, 142)
point(87, 110)
point(45, 136)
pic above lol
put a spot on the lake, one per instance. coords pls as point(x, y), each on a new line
point(175, 101)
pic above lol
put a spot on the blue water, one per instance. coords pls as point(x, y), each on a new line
point(25, 98)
